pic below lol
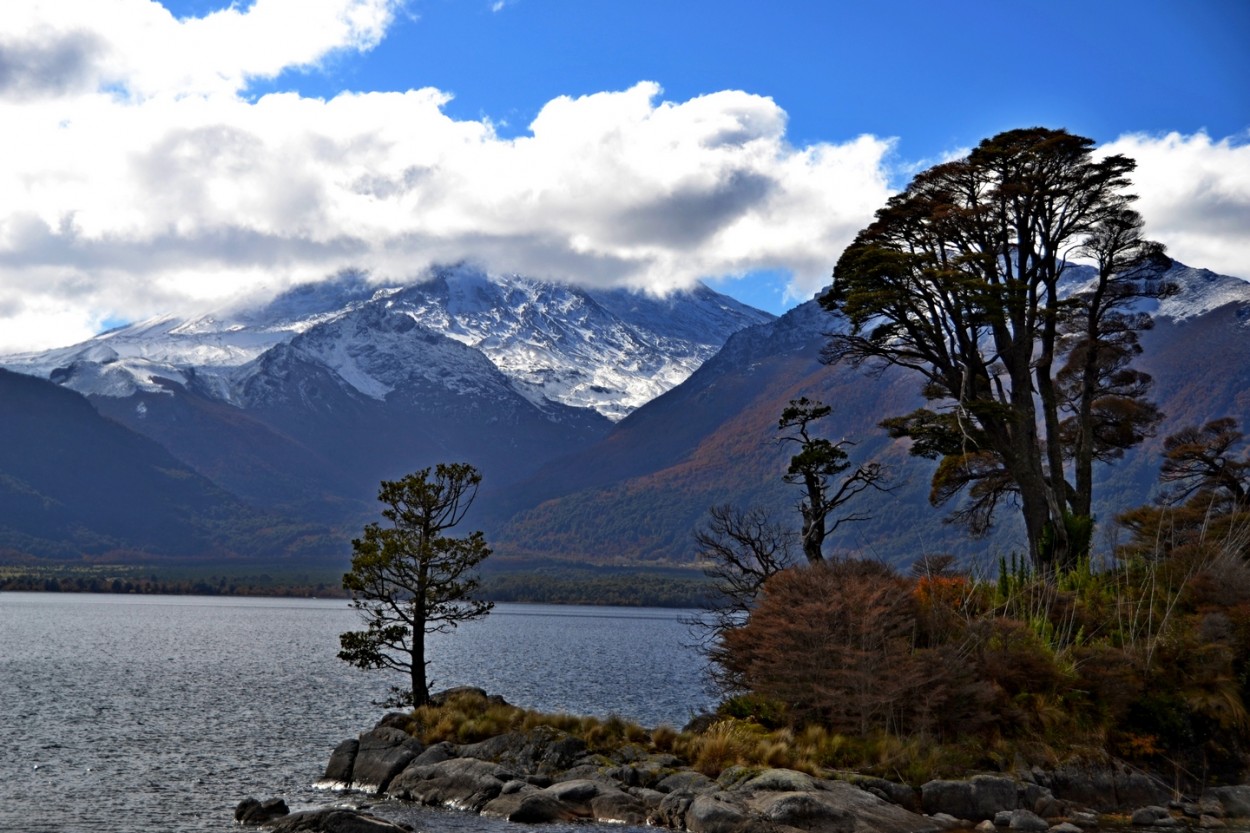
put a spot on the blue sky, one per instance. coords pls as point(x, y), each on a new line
point(205, 152)
point(938, 75)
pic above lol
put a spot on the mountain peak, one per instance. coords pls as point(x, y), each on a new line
point(608, 350)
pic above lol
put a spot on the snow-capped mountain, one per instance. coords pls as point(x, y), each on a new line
point(608, 350)
point(712, 440)
point(304, 403)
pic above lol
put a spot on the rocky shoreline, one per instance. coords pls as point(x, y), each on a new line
point(545, 775)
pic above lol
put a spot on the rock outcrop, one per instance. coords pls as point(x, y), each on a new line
point(544, 775)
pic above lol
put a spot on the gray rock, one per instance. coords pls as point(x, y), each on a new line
point(986, 826)
point(779, 780)
point(977, 798)
point(536, 807)
point(515, 787)
point(991, 793)
point(806, 811)
point(436, 754)
point(543, 749)
point(1065, 827)
point(714, 813)
point(395, 720)
point(254, 811)
point(1084, 819)
point(440, 698)
point(1234, 800)
point(577, 793)
point(616, 807)
point(382, 754)
point(1207, 805)
point(335, 820)
point(1211, 822)
point(672, 809)
point(631, 776)
point(837, 806)
point(736, 776)
point(342, 760)
point(903, 795)
point(687, 781)
point(1026, 821)
point(463, 783)
point(1049, 807)
point(945, 821)
point(1105, 789)
point(650, 798)
point(1152, 816)
point(1002, 818)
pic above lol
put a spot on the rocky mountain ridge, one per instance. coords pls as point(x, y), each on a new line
point(609, 350)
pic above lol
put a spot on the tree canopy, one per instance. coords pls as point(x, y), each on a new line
point(963, 279)
point(408, 579)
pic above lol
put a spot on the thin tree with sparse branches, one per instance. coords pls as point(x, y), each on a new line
point(409, 579)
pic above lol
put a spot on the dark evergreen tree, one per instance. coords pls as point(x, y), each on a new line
point(960, 280)
point(409, 579)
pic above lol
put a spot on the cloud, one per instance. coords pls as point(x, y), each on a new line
point(126, 206)
point(145, 180)
point(1194, 194)
point(138, 49)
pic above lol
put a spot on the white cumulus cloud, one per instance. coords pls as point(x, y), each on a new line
point(1194, 194)
point(145, 180)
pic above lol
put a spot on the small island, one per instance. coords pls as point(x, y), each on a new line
point(474, 752)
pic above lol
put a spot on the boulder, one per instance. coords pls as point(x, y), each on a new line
point(779, 780)
point(715, 813)
point(1234, 801)
point(685, 781)
point(617, 807)
point(976, 799)
point(1026, 821)
point(806, 811)
point(671, 811)
point(1152, 816)
point(532, 807)
point(462, 783)
point(342, 760)
point(253, 811)
point(835, 806)
point(436, 754)
point(541, 750)
point(901, 794)
point(336, 820)
point(578, 792)
point(382, 754)
point(440, 698)
point(1103, 788)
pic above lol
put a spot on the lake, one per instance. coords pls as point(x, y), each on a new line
point(123, 713)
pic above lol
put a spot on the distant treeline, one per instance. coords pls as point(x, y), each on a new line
point(626, 589)
point(541, 585)
point(176, 582)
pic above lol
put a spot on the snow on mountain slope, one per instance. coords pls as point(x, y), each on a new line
point(1197, 291)
point(607, 350)
point(1200, 291)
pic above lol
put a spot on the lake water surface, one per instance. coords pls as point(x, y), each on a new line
point(125, 713)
